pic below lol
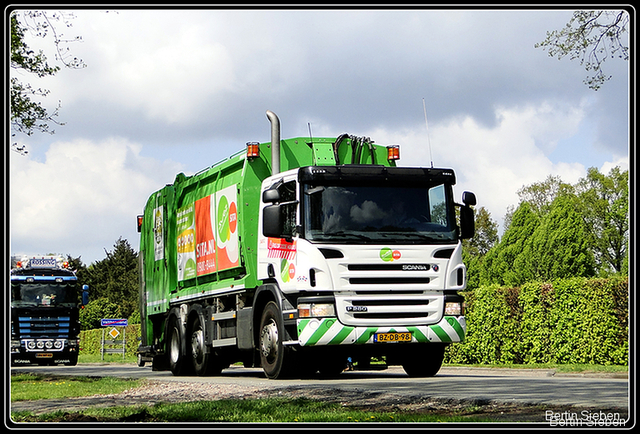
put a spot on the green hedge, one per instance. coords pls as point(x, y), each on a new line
point(90, 340)
point(575, 320)
point(568, 321)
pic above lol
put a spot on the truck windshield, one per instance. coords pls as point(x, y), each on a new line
point(379, 214)
point(43, 293)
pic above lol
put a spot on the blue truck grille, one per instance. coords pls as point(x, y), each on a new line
point(44, 326)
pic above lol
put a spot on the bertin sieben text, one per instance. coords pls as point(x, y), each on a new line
point(585, 418)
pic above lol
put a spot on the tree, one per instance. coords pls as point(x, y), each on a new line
point(604, 205)
point(115, 278)
point(560, 247)
point(501, 262)
point(486, 235)
point(541, 195)
point(476, 248)
point(28, 116)
point(591, 36)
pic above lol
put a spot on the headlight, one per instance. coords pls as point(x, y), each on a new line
point(453, 308)
point(307, 310)
point(31, 345)
point(58, 344)
point(40, 344)
point(48, 344)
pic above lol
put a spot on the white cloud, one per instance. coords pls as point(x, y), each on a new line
point(494, 162)
point(84, 193)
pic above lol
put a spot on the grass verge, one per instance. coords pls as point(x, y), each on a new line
point(27, 386)
point(267, 410)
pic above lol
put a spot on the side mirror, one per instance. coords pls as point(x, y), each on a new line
point(85, 295)
point(272, 224)
point(469, 198)
point(271, 195)
point(467, 223)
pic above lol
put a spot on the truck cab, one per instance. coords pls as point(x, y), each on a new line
point(45, 301)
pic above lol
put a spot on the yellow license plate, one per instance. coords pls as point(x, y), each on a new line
point(44, 356)
point(392, 337)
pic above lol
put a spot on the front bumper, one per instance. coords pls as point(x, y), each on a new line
point(329, 331)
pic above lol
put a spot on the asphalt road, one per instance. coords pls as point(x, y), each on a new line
point(499, 385)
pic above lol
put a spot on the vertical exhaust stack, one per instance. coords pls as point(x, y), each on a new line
point(275, 142)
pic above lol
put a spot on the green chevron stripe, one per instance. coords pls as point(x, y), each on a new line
point(324, 327)
point(417, 333)
point(341, 336)
point(456, 326)
point(302, 325)
point(444, 337)
point(364, 337)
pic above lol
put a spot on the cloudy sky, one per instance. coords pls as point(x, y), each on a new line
point(177, 90)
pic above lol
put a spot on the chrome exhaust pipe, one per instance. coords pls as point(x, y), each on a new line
point(275, 142)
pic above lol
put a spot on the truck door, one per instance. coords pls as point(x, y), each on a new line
point(279, 232)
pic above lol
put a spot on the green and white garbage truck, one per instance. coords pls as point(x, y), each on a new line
point(295, 255)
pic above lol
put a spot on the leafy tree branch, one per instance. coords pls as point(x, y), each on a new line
point(592, 37)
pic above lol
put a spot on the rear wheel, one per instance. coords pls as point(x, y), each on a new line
point(204, 363)
point(177, 358)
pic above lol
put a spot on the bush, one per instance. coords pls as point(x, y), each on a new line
point(95, 310)
point(576, 320)
point(90, 340)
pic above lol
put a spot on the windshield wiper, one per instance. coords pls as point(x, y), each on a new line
point(417, 235)
point(348, 234)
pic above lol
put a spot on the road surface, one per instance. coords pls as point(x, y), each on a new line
point(532, 386)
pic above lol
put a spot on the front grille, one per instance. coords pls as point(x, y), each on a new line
point(44, 326)
point(392, 309)
point(388, 280)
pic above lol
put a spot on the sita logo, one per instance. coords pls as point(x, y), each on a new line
point(388, 255)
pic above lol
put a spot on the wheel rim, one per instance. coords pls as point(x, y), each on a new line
point(269, 341)
point(197, 345)
point(174, 351)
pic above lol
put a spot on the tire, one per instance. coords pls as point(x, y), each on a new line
point(204, 363)
point(424, 361)
point(333, 367)
point(275, 358)
point(177, 358)
point(73, 360)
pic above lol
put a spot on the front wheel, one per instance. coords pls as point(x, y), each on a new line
point(424, 361)
point(274, 356)
point(73, 360)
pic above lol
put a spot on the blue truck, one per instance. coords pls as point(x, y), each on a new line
point(45, 306)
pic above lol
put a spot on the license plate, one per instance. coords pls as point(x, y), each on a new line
point(392, 337)
point(44, 356)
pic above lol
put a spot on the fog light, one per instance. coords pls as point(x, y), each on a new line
point(57, 344)
point(31, 345)
point(48, 344)
point(453, 308)
point(308, 310)
point(40, 344)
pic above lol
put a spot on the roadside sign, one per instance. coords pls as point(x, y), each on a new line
point(114, 333)
point(112, 322)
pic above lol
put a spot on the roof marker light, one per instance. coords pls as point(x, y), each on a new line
point(253, 149)
point(393, 152)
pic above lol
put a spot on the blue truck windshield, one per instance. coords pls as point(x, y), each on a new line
point(43, 293)
point(379, 214)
